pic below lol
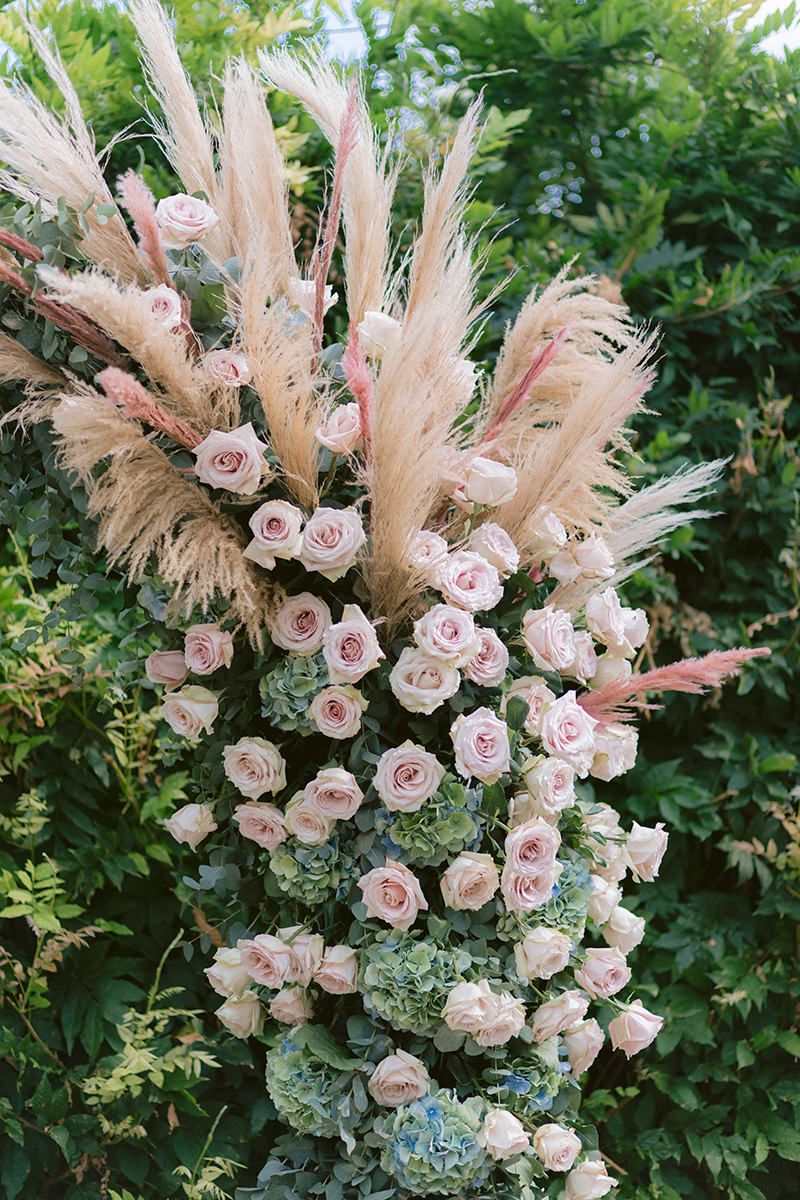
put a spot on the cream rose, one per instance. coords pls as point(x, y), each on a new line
point(227, 974)
point(621, 630)
point(229, 367)
point(493, 543)
point(568, 733)
point(334, 794)
point(489, 665)
point(341, 430)
point(233, 461)
point(551, 785)
point(262, 824)
point(191, 824)
point(277, 533)
point(589, 559)
point(406, 777)
point(470, 881)
point(242, 1015)
point(398, 1079)
point(549, 638)
point(504, 1018)
point(422, 684)
point(481, 745)
point(634, 1029)
point(392, 894)
point(302, 294)
point(558, 1014)
point(427, 552)
point(338, 971)
point(502, 1135)
point(584, 664)
point(267, 960)
point(299, 624)
point(584, 1042)
point(306, 953)
point(379, 332)
point(448, 634)
point(350, 647)
point(556, 1147)
point(542, 953)
point(645, 848)
point(254, 766)
point(588, 1181)
point(467, 1006)
point(306, 823)
point(164, 304)
point(610, 667)
point(191, 711)
point(183, 220)
point(547, 535)
point(604, 972)
point(623, 929)
point(332, 539)
point(467, 580)
point(291, 1006)
point(538, 697)
point(167, 667)
point(615, 752)
point(207, 648)
point(489, 482)
point(532, 847)
point(523, 893)
point(603, 899)
point(337, 711)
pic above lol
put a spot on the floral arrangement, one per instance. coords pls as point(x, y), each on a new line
point(392, 644)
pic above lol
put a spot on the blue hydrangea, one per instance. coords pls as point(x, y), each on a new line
point(430, 1146)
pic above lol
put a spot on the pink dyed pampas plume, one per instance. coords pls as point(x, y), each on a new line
point(138, 200)
point(136, 403)
point(521, 393)
point(348, 132)
point(359, 380)
point(621, 698)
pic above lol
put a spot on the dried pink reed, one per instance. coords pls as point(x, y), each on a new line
point(359, 381)
point(521, 393)
point(141, 206)
point(348, 132)
point(21, 246)
point(617, 701)
point(136, 402)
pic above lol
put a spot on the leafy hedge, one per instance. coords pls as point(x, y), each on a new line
point(656, 145)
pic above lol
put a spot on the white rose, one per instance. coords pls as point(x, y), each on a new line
point(645, 849)
point(551, 785)
point(589, 559)
point(547, 535)
point(227, 974)
point(584, 664)
point(232, 460)
point(447, 633)
point(610, 667)
point(167, 667)
point(603, 819)
point(341, 430)
point(488, 482)
point(337, 711)
point(421, 683)
point(191, 711)
point(503, 1019)
point(276, 527)
point(470, 881)
point(634, 1029)
point(481, 745)
point(427, 552)
point(331, 541)
point(334, 793)
point(207, 648)
point(549, 637)
point(254, 766)
point(379, 333)
point(469, 581)
point(556, 1147)
point(542, 953)
point(261, 823)
point(291, 1006)
point(583, 1042)
point(489, 665)
point(615, 752)
point(502, 1135)
point(338, 971)
point(467, 1006)
point(164, 304)
point(191, 824)
point(304, 822)
point(493, 543)
point(242, 1015)
point(568, 733)
point(398, 1079)
point(622, 630)
point(538, 697)
point(184, 219)
point(588, 1181)
point(614, 863)
point(229, 367)
point(604, 972)
point(299, 624)
point(350, 647)
point(623, 929)
point(603, 899)
point(406, 777)
point(302, 294)
point(562, 1012)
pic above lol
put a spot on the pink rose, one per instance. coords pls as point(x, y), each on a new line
point(164, 304)
point(584, 664)
point(190, 711)
point(588, 1181)
point(191, 824)
point(502, 1135)
point(261, 823)
point(604, 972)
point(622, 630)
point(379, 332)
point(470, 881)
point(167, 667)
point(276, 527)
point(406, 777)
point(610, 667)
point(542, 953)
point(549, 637)
point(426, 553)
point(556, 1146)
point(558, 1014)
point(306, 950)
point(392, 894)
point(254, 766)
point(489, 666)
point(341, 430)
point(227, 974)
point(523, 893)
point(493, 543)
point(331, 541)
point(334, 794)
point(299, 624)
point(615, 752)
point(267, 959)
point(229, 367)
point(467, 1006)
point(232, 460)
point(546, 537)
point(337, 711)
point(338, 971)
point(584, 1042)
point(603, 899)
point(634, 1029)
point(469, 581)
point(538, 697)
point(183, 220)
point(350, 647)
point(589, 559)
point(292, 1006)
point(481, 745)
point(398, 1079)
point(422, 684)
point(645, 849)
point(568, 733)
point(242, 1015)
point(447, 633)
point(532, 848)
point(503, 1019)
point(489, 482)
point(302, 294)
point(207, 648)
point(624, 930)
point(306, 823)
point(551, 784)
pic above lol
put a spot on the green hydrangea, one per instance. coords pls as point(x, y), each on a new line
point(565, 909)
point(288, 689)
point(307, 1093)
point(312, 874)
point(447, 824)
point(406, 981)
point(430, 1145)
point(530, 1082)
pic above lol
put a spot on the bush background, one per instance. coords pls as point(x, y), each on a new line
point(654, 144)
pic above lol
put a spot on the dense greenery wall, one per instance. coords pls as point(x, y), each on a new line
point(656, 145)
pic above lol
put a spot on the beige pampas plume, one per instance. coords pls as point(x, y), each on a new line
point(147, 511)
point(46, 159)
point(39, 381)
